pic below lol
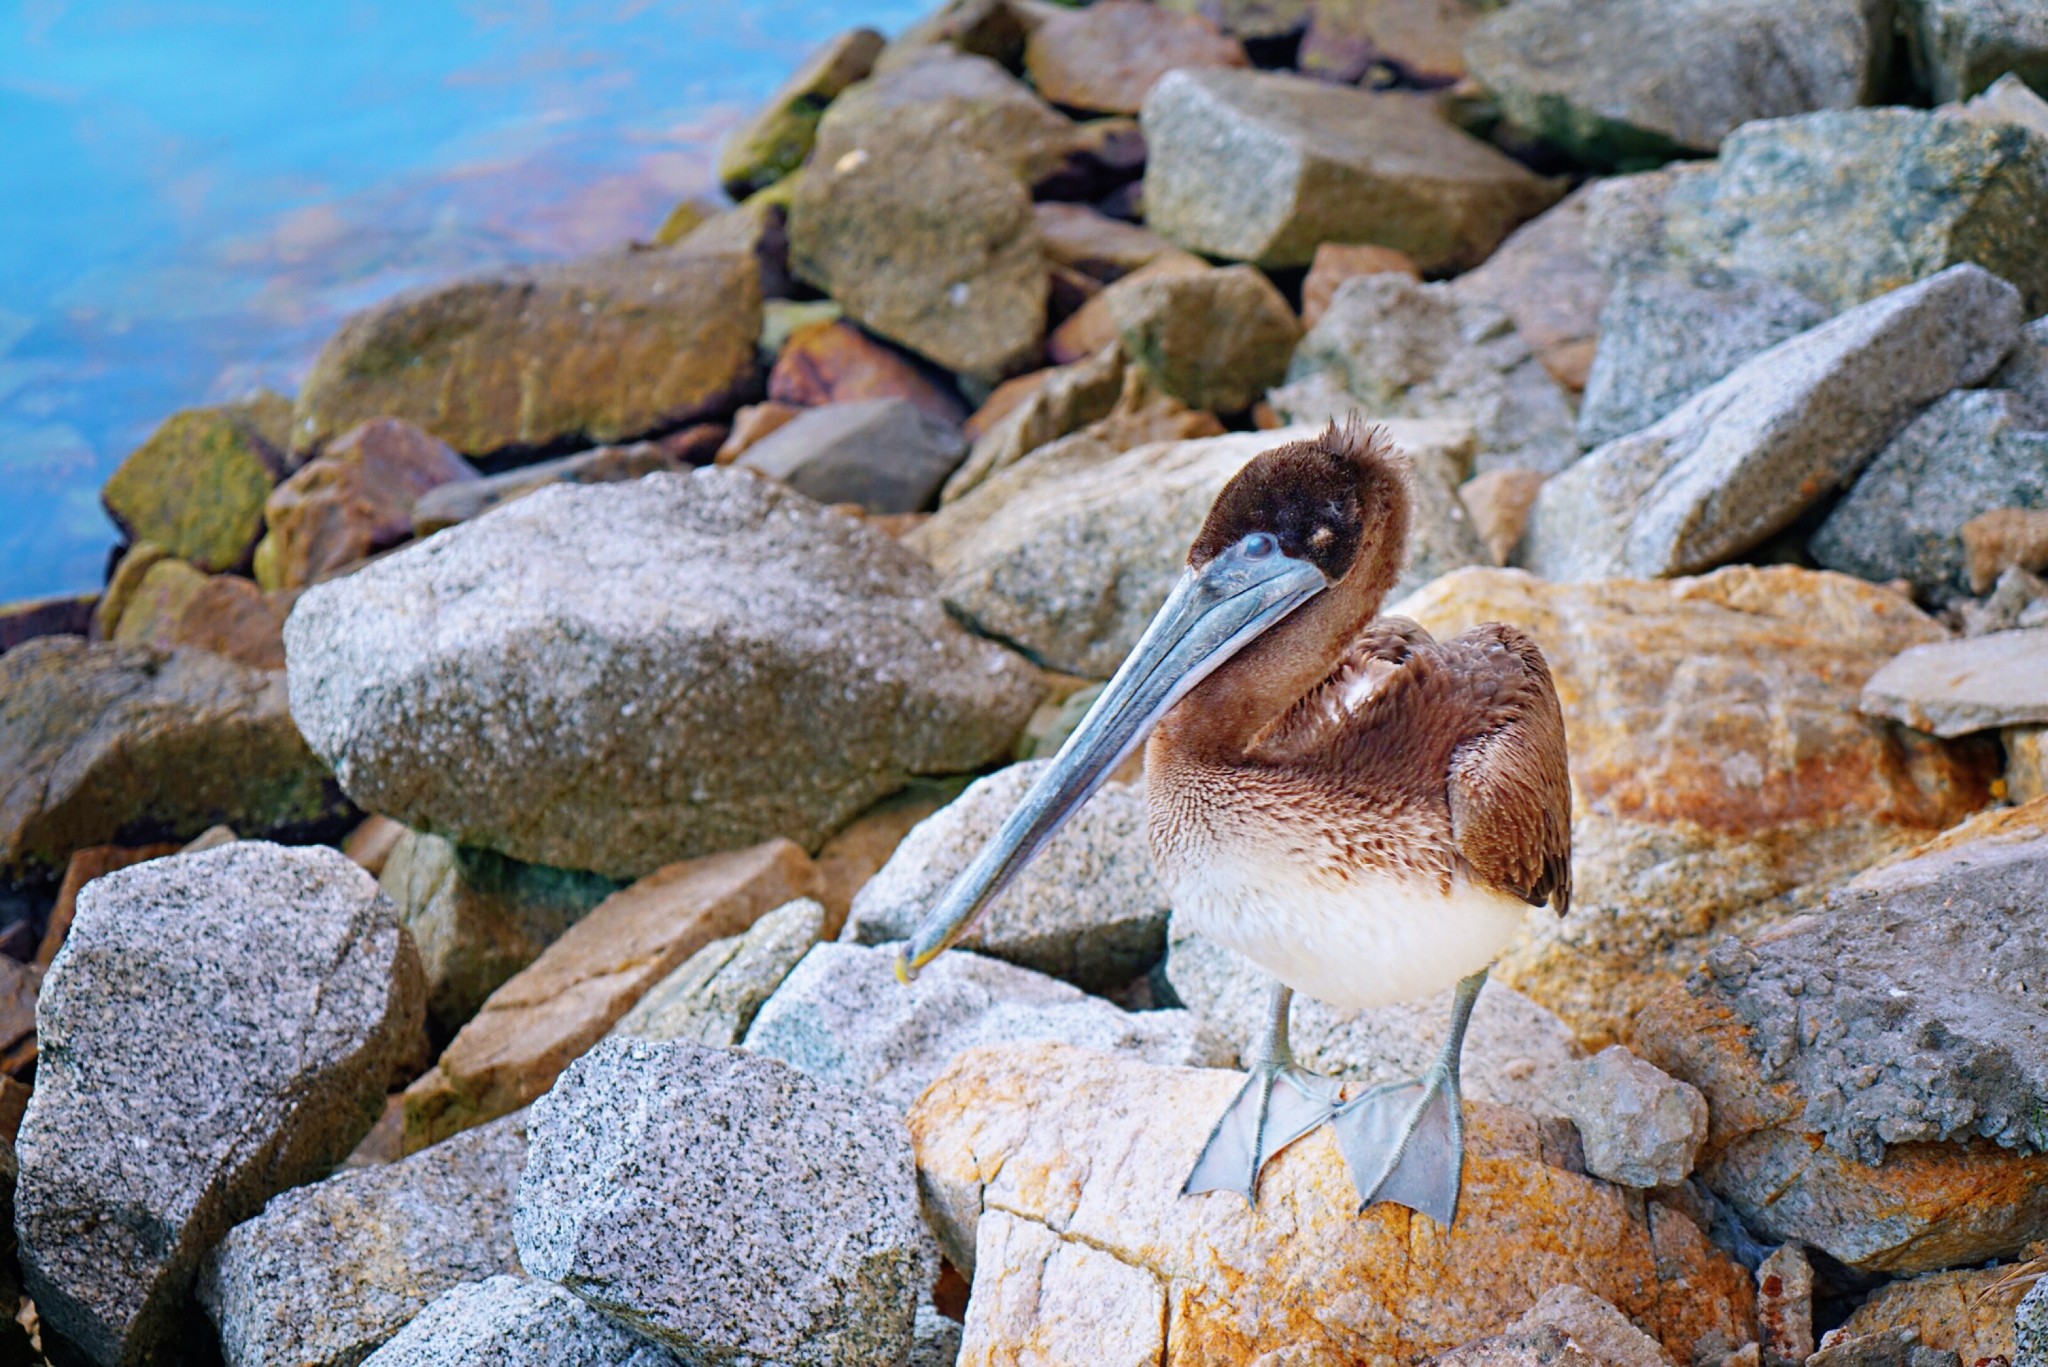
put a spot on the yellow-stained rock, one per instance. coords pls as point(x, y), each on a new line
point(1967, 1313)
point(1054, 1173)
point(1718, 763)
point(197, 486)
point(549, 1013)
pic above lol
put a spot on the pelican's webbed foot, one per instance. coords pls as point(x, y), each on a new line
point(1405, 1143)
point(1278, 1104)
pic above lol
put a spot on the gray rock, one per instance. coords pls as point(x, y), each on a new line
point(2010, 605)
point(537, 681)
point(330, 1271)
point(959, 98)
point(1902, 1012)
point(218, 1027)
point(1070, 561)
point(1087, 909)
point(1665, 337)
point(1902, 519)
point(1625, 216)
point(1741, 459)
point(1404, 349)
point(713, 998)
point(1846, 205)
point(1605, 79)
point(2030, 1327)
point(843, 1017)
point(1212, 339)
point(915, 213)
point(2025, 372)
point(1641, 1127)
point(887, 455)
point(1959, 47)
point(479, 917)
point(647, 1159)
point(444, 505)
point(509, 1322)
point(2006, 100)
point(125, 744)
point(1515, 1050)
point(1263, 167)
point(1951, 688)
point(937, 1342)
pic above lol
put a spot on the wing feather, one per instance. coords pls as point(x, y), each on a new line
point(1509, 789)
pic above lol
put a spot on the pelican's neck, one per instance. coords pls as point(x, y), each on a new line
point(1221, 715)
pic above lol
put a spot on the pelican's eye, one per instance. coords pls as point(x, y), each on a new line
point(1259, 545)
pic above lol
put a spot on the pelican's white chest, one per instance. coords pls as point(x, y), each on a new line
point(1350, 937)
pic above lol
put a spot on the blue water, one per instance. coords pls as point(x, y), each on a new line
point(194, 192)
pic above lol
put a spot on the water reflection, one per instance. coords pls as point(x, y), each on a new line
point(193, 194)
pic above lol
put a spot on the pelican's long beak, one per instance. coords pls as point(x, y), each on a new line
point(1212, 613)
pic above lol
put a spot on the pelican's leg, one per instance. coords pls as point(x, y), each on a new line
point(1278, 1104)
point(1405, 1141)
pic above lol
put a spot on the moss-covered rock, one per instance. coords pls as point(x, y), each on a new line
point(197, 486)
point(778, 138)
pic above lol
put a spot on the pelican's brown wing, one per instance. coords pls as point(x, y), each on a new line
point(1510, 793)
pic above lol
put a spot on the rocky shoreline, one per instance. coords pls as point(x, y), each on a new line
point(449, 874)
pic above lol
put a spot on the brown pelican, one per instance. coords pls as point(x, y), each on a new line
point(1364, 812)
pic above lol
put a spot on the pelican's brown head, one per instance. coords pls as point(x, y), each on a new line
point(1338, 501)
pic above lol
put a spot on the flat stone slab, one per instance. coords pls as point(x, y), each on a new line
point(1952, 688)
point(727, 1206)
point(1743, 458)
point(218, 1027)
point(885, 454)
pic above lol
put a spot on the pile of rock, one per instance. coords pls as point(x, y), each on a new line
point(607, 663)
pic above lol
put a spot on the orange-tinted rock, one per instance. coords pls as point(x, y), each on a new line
point(1966, 1313)
point(86, 865)
point(1093, 326)
point(1092, 242)
point(1105, 57)
point(176, 605)
point(838, 363)
point(1499, 502)
point(549, 1013)
point(752, 423)
point(370, 844)
point(1337, 262)
point(1717, 761)
point(1054, 1174)
point(356, 498)
point(1005, 399)
point(1997, 540)
point(856, 854)
point(1874, 1081)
